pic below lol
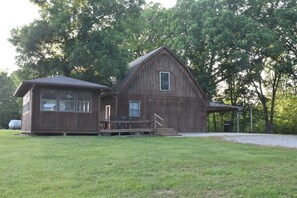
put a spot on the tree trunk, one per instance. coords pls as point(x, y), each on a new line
point(267, 121)
point(274, 90)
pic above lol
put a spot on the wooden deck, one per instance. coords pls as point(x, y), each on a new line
point(126, 127)
point(136, 127)
point(123, 127)
point(136, 131)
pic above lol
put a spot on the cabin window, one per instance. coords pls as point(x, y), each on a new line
point(164, 81)
point(134, 108)
point(84, 102)
point(66, 101)
point(48, 100)
point(26, 102)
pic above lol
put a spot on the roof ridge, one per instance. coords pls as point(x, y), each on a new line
point(144, 57)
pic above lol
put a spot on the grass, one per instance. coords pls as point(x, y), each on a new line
point(92, 166)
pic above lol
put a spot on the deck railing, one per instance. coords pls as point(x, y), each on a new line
point(158, 121)
point(125, 124)
point(126, 127)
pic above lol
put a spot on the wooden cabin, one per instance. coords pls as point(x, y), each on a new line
point(60, 105)
point(157, 84)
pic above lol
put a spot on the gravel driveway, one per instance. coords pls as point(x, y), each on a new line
point(289, 141)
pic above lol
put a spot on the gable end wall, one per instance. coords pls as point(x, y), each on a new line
point(183, 107)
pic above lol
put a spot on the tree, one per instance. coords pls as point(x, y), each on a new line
point(9, 106)
point(271, 60)
point(150, 31)
point(286, 118)
point(240, 40)
point(76, 38)
point(208, 37)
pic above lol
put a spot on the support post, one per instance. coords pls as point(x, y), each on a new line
point(251, 119)
point(237, 115)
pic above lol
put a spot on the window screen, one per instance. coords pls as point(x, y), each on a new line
point(26, 102)
point(67, 101)
point(48, 100)
point(84, 102)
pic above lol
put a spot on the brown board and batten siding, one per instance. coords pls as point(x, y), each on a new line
point(79, 114)
point(70, 122)
point(183, 107)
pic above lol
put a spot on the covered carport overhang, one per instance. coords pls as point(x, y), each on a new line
point(214, 107)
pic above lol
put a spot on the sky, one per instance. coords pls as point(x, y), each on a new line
point(16, 13)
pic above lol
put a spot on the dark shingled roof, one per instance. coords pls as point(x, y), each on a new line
point(135, 65)
point(60, 81)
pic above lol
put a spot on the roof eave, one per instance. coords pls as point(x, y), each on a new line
point(19, 90)
point(26, 85)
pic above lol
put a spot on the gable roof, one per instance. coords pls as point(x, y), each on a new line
point(135, 65)
point(60, 81)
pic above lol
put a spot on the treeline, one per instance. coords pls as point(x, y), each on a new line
point(10, 107)
point(242, 52)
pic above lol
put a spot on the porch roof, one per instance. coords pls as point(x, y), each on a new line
point(214, 107)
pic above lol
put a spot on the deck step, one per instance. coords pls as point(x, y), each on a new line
point(166, 132)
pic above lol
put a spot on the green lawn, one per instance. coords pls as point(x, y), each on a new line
point(92, 166)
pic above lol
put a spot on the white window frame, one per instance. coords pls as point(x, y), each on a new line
point(169, 78)
point(130, 114)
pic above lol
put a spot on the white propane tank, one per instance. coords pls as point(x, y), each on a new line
point(15, 124)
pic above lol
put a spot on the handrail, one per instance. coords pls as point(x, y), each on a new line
point(156, 115)
point(159, 122)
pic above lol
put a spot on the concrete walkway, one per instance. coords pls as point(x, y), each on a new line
point(288, 141)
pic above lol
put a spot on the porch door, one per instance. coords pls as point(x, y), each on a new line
point(107, 116)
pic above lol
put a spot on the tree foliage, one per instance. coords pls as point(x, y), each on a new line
point(76, 38)
point(9, 106)
point(286, 117)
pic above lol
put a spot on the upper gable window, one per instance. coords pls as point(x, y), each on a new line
point(165, 81)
